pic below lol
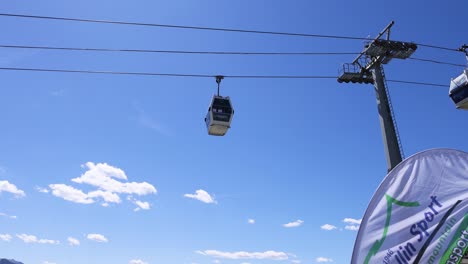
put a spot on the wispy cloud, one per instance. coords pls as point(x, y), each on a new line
point(251, 221)
point(12, 57)
point(8, 216)
point(294, 224)
point(137, 261)
point(97, 238)
point(42, 190)
point(57, 92)
point(30, 239)
point(268, 255)
point(201, 195)
point(142, 205)
point(73, 241)
point(323, 260)
point(48, 262)
point(145, 120)
point(5, 237)
point(328, 227)
point(352, 227)
point(352, 221)
point(110, 181)
point(5, 186)
point(352, 224)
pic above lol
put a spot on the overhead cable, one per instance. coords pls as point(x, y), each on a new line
point(200, 75)
point(170, 74)
point(115, 22)
point(438, 62)
point(210, 52)
point(181, 26)
point(436, 47)
point(178, 51)
point(418, 83)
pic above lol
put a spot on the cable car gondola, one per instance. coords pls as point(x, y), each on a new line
point(459, 86)
point(220, 113)
point(459, 90)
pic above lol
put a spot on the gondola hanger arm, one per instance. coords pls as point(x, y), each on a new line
point(464, 49)
point(219, 78)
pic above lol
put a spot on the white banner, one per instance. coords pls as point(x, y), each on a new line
point(419, 213)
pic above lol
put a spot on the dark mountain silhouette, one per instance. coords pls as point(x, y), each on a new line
point(9, 261)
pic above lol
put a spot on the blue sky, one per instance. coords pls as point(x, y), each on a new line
point(129, 153)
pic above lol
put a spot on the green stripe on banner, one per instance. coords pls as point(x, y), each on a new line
point(458, 245)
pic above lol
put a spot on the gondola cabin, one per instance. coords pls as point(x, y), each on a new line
point(219, 116)
point(459, 90)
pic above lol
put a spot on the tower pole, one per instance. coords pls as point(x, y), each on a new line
point(389, 133)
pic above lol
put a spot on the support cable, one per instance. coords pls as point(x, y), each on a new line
point(436, 47)
point(437, 62)
point(169, 74)
point(115, 22)
point(419, 83)
point(208, 52)
point(199, 75)
point(177, 51)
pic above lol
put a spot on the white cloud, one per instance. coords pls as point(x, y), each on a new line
point(352, 227)
point(97, 238)
point(33, 239)
point(101, 175)
point(108, 180)
point(295, 261)
point(70, 194)
point(352, 221)
point(352, 224)
point(216, 261)
point(202, 196)
point(323, 260)
point(294, 224)
point(5, 237)
point(8, 216)
point(73, 241)
point(137, 261)
point(142, 205)
point(251, 221)
point(245, 263)
point(5, 186)
point(108, 197)
point(328, 227)
point(41, 190)
point(48, 262)
point(271, 255)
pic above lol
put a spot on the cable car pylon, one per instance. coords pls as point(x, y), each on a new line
point(220, 112)
point(367, 68)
